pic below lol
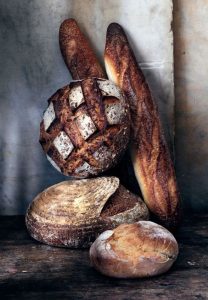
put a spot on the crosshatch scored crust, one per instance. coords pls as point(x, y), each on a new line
point(85, 135)
point(150, 155)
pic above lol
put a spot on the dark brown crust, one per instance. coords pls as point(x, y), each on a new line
point(77, 52)
point(151, 158)
point(113, 137)
point(119, 202)
point(94, 101)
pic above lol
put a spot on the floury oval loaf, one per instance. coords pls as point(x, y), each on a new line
point(73, 213)
point(85, 128)
point(150, 155)
point(142, 249)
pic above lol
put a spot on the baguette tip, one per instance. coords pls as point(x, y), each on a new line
point(114, 29)
point(68, 22)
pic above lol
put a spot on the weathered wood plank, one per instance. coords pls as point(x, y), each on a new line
point(30, 270)
point(182, 285)
point(35, 258)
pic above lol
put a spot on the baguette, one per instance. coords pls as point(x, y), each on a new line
point(77, 52)
point(150, 155)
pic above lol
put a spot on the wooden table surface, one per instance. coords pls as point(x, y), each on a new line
point(30, 270)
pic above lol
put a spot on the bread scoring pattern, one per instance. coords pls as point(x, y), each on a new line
point(73, 212)
point(85, 128)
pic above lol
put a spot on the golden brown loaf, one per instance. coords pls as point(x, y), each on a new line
point(85, 128)
point(72, 213)
point(150, 155)
point(77, 52)
point(142, 249)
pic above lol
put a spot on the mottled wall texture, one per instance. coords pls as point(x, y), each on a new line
point(32, 69)
point(191, 97)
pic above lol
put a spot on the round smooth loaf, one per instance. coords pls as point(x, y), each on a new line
point(85, 128)
point(74, 212)
point(142, 249)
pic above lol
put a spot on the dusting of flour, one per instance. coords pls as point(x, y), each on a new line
point(156, 231)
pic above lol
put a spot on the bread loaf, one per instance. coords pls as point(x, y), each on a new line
point(150, 155)
point(142, 249)
point(85, 128)
point(77, 52)
point(72, 213)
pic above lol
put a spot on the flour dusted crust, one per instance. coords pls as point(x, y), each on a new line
point(72, 213)
point(85, 128)
point(150, 155)
point(142, 249)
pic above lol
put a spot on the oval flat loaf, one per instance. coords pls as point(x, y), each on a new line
point(85, 128)
point(77, 52)
point(72, 213)
point(150, 155)
point(142, 249)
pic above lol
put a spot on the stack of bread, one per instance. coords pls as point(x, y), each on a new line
point(86, 128)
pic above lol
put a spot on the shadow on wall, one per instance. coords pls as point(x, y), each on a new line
point(191, 90)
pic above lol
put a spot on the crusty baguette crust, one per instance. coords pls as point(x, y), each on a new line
point(77, 52)
point(150, 155)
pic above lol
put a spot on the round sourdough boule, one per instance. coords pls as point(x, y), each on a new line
point(73, 213)
point(142, 249)
point(85, 128)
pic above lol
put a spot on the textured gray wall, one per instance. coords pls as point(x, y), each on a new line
point(191, 94)
point(32, 69)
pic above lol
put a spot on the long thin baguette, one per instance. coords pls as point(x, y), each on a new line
point(77, 52)
point(150, 155)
